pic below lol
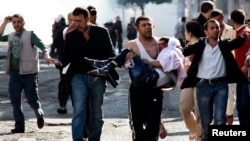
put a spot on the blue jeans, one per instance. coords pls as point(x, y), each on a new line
point(243, 103)
point(83, 87)
point(212, 104)
point(28, 83)
point(141, 75)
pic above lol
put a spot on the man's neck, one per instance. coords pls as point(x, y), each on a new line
point(212, 41)
point(222, 27)
point(205, 15)
point(237, 26)
point(86, 29)
point(146, 39)
point(20, 31)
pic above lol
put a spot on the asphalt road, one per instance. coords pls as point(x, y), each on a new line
point(58, 127)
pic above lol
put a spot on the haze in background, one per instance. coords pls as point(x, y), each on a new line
point(39, 14)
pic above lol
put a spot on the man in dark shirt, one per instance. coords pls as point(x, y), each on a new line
point(131, 29)
point(85, 41)
point(206, 8)
point(118, 33)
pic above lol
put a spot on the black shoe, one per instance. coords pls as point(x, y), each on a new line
point(40, 122)
point(62, 110)
point(98, 63)
point(17, 130)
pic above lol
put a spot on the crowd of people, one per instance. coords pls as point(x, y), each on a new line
point(207, 61)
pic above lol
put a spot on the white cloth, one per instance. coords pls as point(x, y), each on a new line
point(171, 59)
point(143, 52)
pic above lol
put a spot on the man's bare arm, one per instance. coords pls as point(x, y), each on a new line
point(155, 64)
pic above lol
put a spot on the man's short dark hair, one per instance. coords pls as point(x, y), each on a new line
point(194, 28)
point(165, 39)
point(216, 12)
point(183, 19)
point(18, 16)
point(238, 16)
point(206, 6)
point(92, 10)
point(209, 21)
point(81, 11)
point(142, 18)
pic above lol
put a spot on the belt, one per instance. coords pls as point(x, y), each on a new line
point(213, 81)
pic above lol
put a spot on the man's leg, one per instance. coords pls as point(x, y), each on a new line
point(242, 103)
point(137, 108)
point(86, 125)
point(220, 103)
point(204, 94)
point(80, 93)
point(30, 82)
point(120, 44)
point(231, 103)
point(96, 96)
point(63, 95)
point(145, 106)
point(15, 90)
point(153, 120)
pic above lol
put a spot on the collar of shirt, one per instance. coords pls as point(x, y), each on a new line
point(212, 64)
point(239, 28)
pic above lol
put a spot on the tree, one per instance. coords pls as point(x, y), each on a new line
point(141, 3)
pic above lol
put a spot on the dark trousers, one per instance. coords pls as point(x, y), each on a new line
point(146, 107)
point(243, 103)
point(64, 91)
point(119, 45)
point(53, 51)
point(29, 84)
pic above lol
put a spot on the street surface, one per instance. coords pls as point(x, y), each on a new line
point(58, 127)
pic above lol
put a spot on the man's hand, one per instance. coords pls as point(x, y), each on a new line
point(244, 69)
point(48, 59)
point(4, 23)
point(71, 27)
point(8, 19)
point(57, 63)
point(96, 78)
point(145, 61)
point(247, 62)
